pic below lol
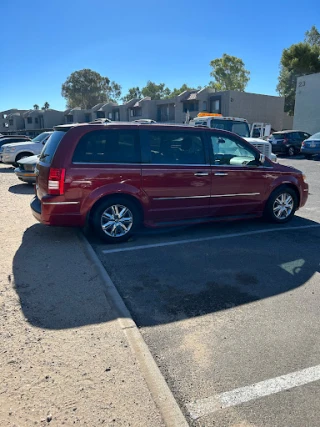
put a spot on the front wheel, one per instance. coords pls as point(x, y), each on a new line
point(115, 219)
point(281, 205)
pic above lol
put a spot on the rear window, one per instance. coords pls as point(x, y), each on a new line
point(49, 149)
point(240, 128)
point(315, 136)
point(278, 135)
point(108, 146)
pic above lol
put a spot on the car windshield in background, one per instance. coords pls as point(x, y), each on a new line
point(200, 123)
point(51, 146)
point(40, 137)
point(315, 136)
point(240, 128)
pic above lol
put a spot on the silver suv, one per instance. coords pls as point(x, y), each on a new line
point(14, 152)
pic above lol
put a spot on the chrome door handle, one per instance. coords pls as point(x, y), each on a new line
point(201, 174)
point(221, 174)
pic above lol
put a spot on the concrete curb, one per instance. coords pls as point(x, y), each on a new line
point(160, 392)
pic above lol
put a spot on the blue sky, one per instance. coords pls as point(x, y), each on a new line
point(134, 41)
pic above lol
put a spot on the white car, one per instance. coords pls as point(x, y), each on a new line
point(12, 153)
point(236, 125)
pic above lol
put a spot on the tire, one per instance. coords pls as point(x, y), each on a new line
point(283, 197)
point(291, 151)
point(112, 210)
point(308, 156)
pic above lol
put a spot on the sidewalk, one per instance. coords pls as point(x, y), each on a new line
point(64, 359)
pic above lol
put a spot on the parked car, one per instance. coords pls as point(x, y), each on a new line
point(26, 169)
point(144, 121)
point(311, 146)
point(287, 142)
point(13, 153)
point(118, 176)
point(11, 139)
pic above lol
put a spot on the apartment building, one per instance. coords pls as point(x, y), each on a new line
point(180, 109)
point(42, 119)
point(11, 120)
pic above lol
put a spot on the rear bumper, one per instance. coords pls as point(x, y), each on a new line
point(309, 150)
point(48, 211)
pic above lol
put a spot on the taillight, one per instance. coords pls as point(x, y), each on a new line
point(303, 143)
point(56, 181)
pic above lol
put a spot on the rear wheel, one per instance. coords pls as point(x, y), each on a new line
point(115, 219)
point(281, 205)
point(308, 156)
point(291, 151)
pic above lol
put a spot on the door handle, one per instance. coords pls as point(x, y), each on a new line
point(201, 174)
point(221, 174)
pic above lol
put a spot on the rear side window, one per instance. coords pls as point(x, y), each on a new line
point(184, 148)
point(49, 149)
point(108, 146)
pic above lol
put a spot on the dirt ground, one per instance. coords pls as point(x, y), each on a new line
point(63, 357)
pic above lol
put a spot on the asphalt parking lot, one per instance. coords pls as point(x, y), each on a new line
point(230, 313)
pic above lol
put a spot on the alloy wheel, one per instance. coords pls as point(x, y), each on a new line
point(116, 220)
point(282, 206)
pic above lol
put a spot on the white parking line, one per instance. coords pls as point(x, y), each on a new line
point(206, 406)
point(205, 239)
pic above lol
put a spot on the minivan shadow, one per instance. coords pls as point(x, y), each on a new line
point(161, 285)
point(55, 290)
point(172, 283)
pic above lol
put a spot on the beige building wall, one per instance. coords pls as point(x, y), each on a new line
point(257, 108)
point(307, 107)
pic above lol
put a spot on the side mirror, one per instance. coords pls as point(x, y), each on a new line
point(262, 158)
point(43, 142)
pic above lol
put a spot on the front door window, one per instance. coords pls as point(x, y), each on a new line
point(230, 152)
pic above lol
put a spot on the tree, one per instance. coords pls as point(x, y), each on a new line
point(297, 60)
point(86, 88)
point(229, 73)
point(155, 91)
point(36, 107)
point(46, 106)
point(133, 92)
point(183, 88)
point(114, 92)
point(312, 37)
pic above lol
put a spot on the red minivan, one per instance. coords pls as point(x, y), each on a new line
point(118, 176)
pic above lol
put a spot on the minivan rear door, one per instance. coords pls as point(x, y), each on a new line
point(176, 174)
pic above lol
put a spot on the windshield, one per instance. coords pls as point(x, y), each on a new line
point(240, 128)
point(50, 148)
point(40, 137)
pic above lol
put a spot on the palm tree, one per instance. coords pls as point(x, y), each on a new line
point(36, 106)
point(46, 106)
